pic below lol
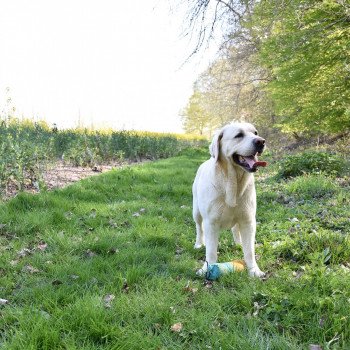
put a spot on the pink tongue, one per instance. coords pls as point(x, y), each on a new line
point(259, 163)
point(253, 163)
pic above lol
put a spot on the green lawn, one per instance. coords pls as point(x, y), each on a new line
point(108, 263)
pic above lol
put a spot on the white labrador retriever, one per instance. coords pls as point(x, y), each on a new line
point(224, 192)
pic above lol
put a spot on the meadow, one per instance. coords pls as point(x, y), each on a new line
point(109, 263)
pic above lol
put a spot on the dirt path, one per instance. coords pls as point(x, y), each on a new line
point(60, 175)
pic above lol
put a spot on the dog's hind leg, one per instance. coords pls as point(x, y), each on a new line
point(236, 234)
point(199, 229)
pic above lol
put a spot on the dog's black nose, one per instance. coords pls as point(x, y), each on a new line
point(259, 143)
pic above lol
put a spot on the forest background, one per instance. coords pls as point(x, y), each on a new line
point(283, 65)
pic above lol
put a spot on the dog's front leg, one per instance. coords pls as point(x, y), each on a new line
point(247, 230)
point(211, 234)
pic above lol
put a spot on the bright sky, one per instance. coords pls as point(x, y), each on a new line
point(115, 63)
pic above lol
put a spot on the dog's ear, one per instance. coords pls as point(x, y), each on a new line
point(214, 147)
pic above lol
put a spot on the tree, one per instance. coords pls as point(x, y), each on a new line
point(195, 117)
point(308, 52)
point(207, 17)
point(230, 90)
point(296, 58)
point(232, 84)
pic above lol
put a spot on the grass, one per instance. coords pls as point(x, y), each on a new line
point(108, 263)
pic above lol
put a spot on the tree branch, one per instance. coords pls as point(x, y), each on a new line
point(230, 8)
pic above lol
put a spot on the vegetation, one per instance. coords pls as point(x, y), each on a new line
point(313, 162)
point(282, 64)
point(27, 148)
point(308, 53)
point(199, 121)
point(109, 263)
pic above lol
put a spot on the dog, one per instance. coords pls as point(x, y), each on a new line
point(224, 194)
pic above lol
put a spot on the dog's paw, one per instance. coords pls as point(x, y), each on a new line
point(201, 272)
point(256, 272)
point(198, 245)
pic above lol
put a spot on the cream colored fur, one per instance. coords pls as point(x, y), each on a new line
point(224, 195)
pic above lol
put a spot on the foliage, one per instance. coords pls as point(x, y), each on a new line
point(290, 62)
point(109, 263)
point(195, 117)
point(24, 153)
point(27, 148)
point(308, 52)
point(228, 90)
point(310, 162)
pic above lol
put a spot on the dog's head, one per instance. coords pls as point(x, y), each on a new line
point(240, 145)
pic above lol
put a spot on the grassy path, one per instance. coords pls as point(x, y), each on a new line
point(108, 263)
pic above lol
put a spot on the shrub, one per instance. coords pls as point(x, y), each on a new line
point(312, 162)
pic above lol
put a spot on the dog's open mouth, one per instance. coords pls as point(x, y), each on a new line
point(249, 163)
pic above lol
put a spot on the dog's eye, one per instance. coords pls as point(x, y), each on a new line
point(256, 133)
point(239, 135)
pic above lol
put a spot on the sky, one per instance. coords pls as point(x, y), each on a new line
point(107, 63)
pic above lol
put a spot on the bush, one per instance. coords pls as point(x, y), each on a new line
point(312, 162)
